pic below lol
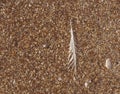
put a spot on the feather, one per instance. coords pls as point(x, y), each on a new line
point(72, 51)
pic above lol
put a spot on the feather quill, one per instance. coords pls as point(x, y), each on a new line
point(72, 51)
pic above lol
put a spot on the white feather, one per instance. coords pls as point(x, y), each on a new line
point(72, 51)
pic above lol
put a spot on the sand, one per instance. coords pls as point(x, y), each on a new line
point(34, 46)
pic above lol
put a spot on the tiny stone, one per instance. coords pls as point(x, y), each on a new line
point(30, 5)
point(44, 46)
point(108, 63)
point(86, 84)
point(59, 78)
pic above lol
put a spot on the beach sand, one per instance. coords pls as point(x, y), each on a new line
point(34, 46)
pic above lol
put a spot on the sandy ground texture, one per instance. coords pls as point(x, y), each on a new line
point(34, 45)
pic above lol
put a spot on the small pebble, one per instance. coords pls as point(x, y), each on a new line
point(44, 45)
point(108, 63)
point(59, 78)
point(87, 83)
